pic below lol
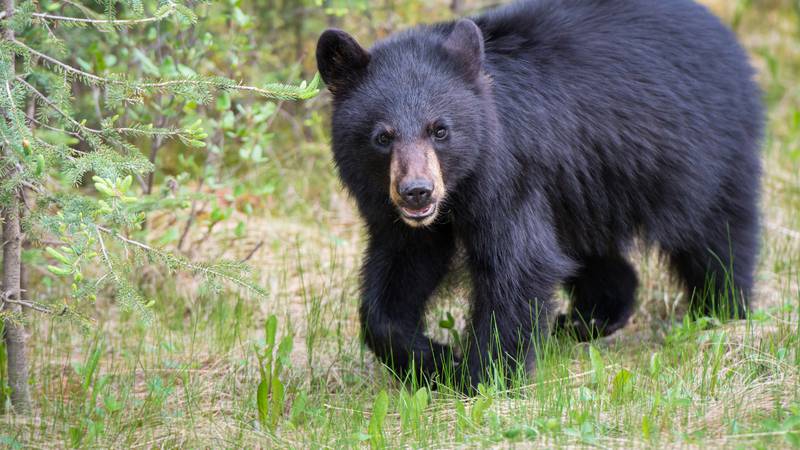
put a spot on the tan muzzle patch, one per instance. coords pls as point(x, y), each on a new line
point(417, 161)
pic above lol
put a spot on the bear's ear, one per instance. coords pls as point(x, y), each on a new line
point(465, 43)
point(340, 60)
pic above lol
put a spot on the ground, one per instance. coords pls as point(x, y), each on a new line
point(190, 379)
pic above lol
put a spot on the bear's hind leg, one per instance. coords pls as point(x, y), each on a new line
point(718, 276)
point(603, 298)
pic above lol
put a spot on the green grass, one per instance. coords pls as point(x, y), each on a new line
point(192, 378)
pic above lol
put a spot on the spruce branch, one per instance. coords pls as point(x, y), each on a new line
point(99, 159)
point(111, 134)
point(162, 14)
point(41, 124)
point(126, 294)
point(89, 78)
point(13, 110)
point(63, 311)
point(10, 297)
point(303, 91)
point(223, 270)
point(37, 307)
point(55, 107)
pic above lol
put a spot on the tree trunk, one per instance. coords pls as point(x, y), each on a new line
point(15, 336)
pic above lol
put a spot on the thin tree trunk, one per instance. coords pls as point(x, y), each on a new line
point(15, 336)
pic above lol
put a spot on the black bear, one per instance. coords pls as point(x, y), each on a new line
point(542, 137)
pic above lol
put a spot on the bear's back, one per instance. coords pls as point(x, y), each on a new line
point(633, 111)
point(670, 62)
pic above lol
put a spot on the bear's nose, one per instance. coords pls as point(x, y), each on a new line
point(416, 193)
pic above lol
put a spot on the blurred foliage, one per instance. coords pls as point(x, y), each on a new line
point(173, 120)
point(85, 93)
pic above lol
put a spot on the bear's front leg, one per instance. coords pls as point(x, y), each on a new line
point(515, 268)
point(401, 270)
point(506, 322)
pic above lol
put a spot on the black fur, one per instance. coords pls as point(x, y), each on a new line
point(586, 123)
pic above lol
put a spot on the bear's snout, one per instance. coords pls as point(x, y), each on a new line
point(416, 193)
point(416, 182)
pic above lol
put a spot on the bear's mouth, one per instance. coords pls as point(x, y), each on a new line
point(420, 215)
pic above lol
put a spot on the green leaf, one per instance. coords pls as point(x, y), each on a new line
point(278, 393)
point(297, 415)
point(285, 349)
point(224, 102)
point(447, 323)
point(621, 384)
point(598, 368)
point(480, 407)
point(262, 402)
point(126, 184)
point(379, 409)
point(91, 366)
point(421, 399)
point(58, 270)
point(103, 188)
point(57, 255)
point(271, 328)
point(194, 143)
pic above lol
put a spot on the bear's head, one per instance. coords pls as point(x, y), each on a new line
point(409, 115)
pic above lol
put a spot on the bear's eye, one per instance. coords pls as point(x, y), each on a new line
point(384, 138)
point(439, 133)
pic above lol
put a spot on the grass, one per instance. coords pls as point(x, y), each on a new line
point(192, 378)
